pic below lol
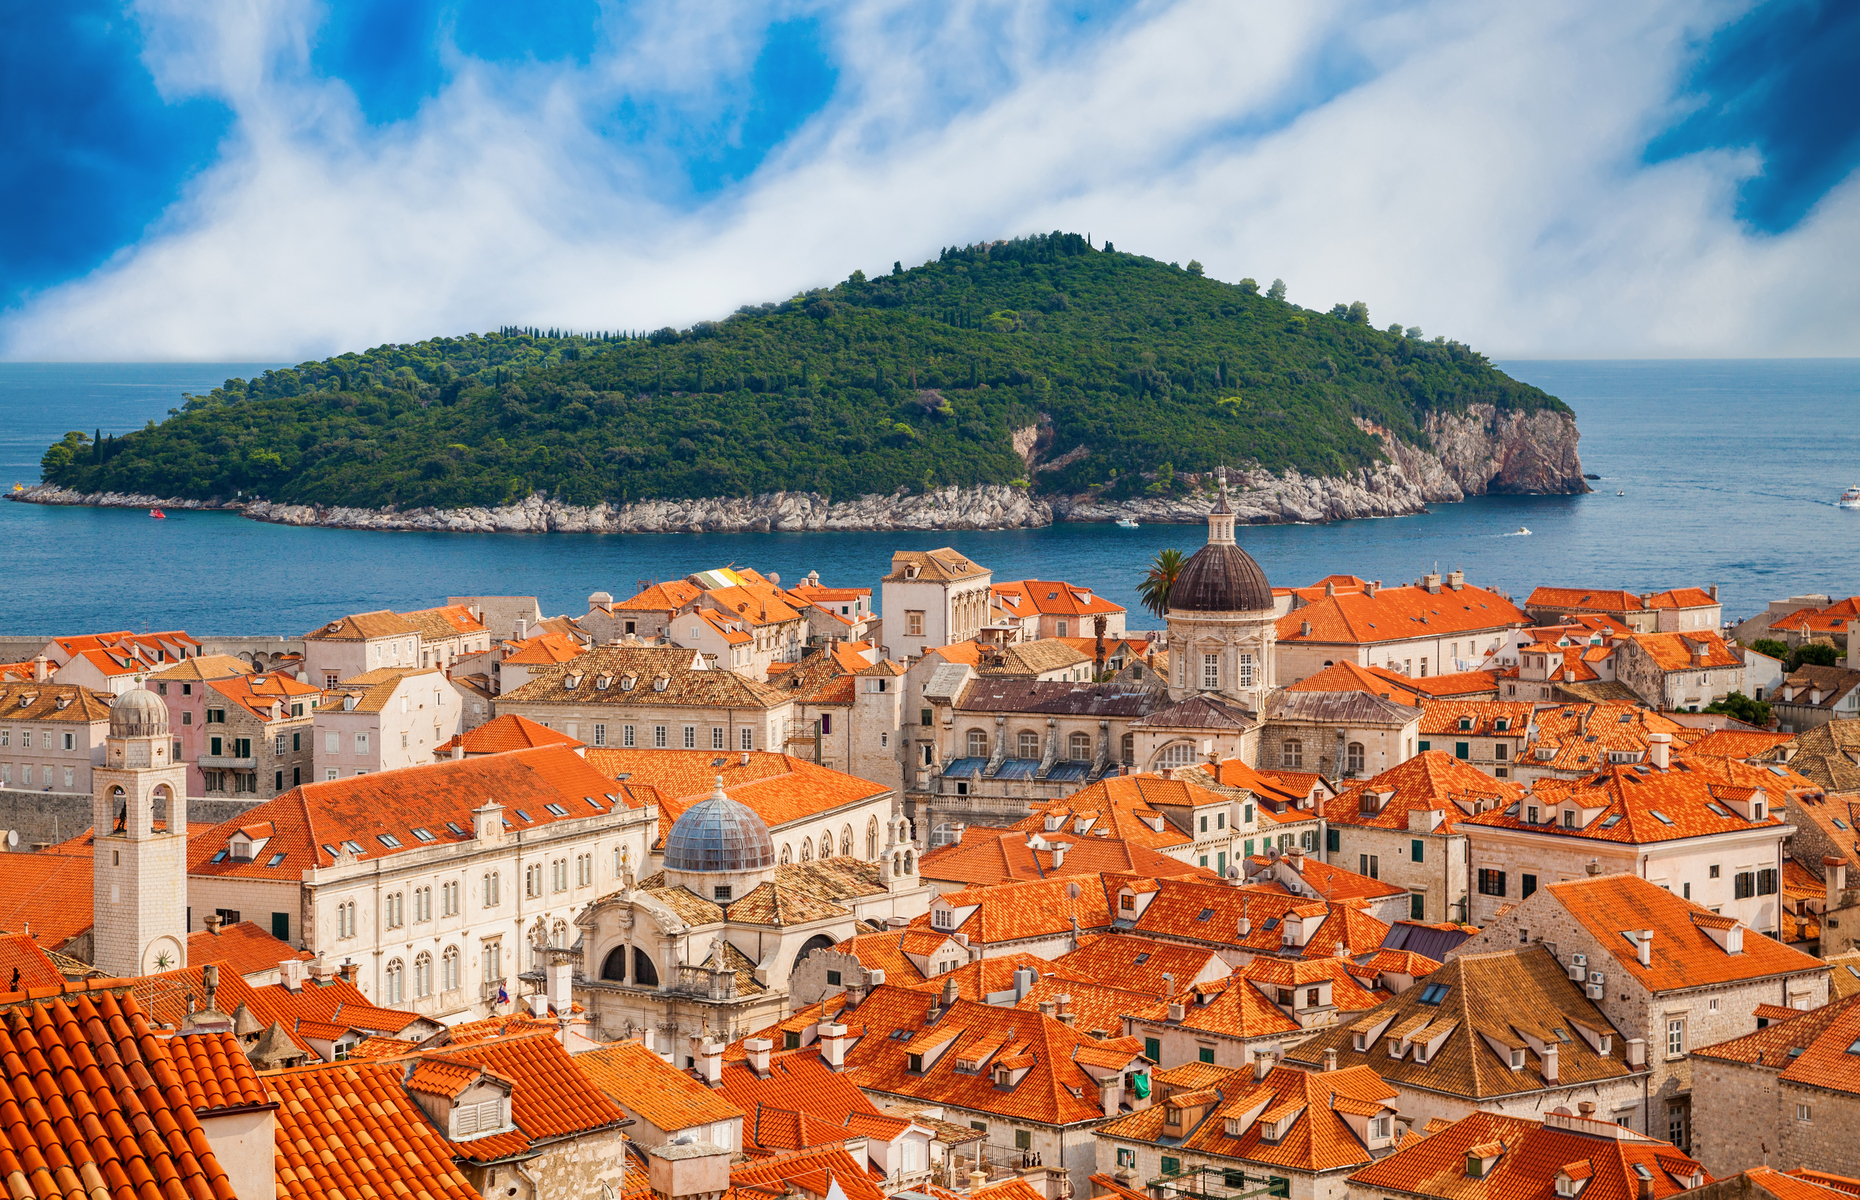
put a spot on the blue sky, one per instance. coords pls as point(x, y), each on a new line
point(225, 178)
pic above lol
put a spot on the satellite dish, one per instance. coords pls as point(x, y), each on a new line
point(12, 838)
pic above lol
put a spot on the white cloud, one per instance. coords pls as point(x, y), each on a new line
point(1484, 181)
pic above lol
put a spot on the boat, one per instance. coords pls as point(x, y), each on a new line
point(158, 514)
point(1126, 523)
point(1620, 492)
point(1850, 498)
point(1522, 532)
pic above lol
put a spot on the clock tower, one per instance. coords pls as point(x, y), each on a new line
point(139, 827)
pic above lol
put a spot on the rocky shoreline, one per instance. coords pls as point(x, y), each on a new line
point(1473, 453)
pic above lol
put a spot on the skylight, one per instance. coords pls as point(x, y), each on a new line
point(388, 840)
point(1434, 993)
point(1142, 958)
point(524, 814)
point(1661, 817)
point(593, 803)
point(276, 859)
point(353, 847)
point(455, 827)
point(1272, 923)
point(557, 809)
point(1613, 820)
point(1716, 809)
point(423, 833)
point(1839, 824)
point(329, 850)
point(220, 857)
point(1204, 914)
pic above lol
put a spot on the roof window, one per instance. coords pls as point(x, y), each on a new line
point(423, 833)
point(524, 814)
point(1204, 914)
point(593, 803)
point(220, 857)
point(1661, 817)
point(1839, 824)
point(455, 827)
point(557, 809)
point(353, 847)
point(276, 859)
point(330, 850)
point(388, 840)
point(1142, 958)
point(1716, 809)
point(1434, 993)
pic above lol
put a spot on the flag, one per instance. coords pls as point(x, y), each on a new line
point(503, 996)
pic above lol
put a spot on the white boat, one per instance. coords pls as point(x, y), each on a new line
point(1850, 498)
point(1126, 523)
point(1522, 532)
point(1620, 493)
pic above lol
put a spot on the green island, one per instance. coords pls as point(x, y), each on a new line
point(915, 379)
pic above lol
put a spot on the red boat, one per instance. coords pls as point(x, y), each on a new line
point(158, 514)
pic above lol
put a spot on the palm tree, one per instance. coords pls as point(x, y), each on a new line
point(1156, 586)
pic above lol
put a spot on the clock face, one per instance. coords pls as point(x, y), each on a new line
point(163, 954)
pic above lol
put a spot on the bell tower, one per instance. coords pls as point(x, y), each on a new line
point(139, 827)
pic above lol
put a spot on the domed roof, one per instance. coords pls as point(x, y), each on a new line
point(1221, 577)
point(719, 834)
point(138, 712)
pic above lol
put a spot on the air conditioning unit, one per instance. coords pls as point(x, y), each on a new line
point(1597, 978)
point(1581, 960)
point(1578, 967)
point(1595, 991)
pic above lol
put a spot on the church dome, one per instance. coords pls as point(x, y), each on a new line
point(1221, 577)
point(719, 834)
point(138, 712)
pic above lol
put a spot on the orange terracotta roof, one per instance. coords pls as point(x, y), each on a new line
point(1683, 955)
point(1832, 619)
point(1245, 1004)
point(47, 895)
point(215, 1072)
point(361, 627)
point(1140, 963)
point(1349, 677)
point(552, 1098)
point(641, 1081)
point(543, 649)
point(1399, 613)
point(97, 1107)
point(1638, 805)
point(446, 621)
point(24, 965)
point(1445, 717)
point(1580, 737)
point(244, 947)
point(1210, 913)
point(813, 1170)
point(55, 702)
point(799, 1089)
point(1318, 1137)
point(1676, 651)
point(985, 856)
point(1028, 597)
point(630, 675)
point(350, 1130)
point(500, 735)
point(1432, 780)
point(382, 1047)
point(257, 693)
point(1123, 807)
point(1281, 794)
point(781, 788)
point(379, 814)
point(1529, 1155)
point(1328, 881)
point(1810, 1047)
point(1610, 600)
point(1015, 911)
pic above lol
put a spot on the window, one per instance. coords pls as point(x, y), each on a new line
point(1126, 1156)
point(422, 904)
point(493, 961)
point(216, 716)
point(584, 870)
point(1152, 1049)
point(449, 898)
point(658, 737)
point(1292, 754)
point(1417, 906)
point(422, 976)
point(490, 889)
point(978, 744)
point(1491, 883)
point(1462, 749)
point(1803, 1112)
point(1766, 881)
point(1744, 885)
point(345, 919)
point(1171, 1166)
point(1526, 885)
point(1210, 672)
point(1246, 670)
point(1501, 752)
point(1712, 871)
point(1675, 1038)
point(913, 624)
point(1417, 848)
point(1078, 746)
point(1023, 1138)
point(394, 982)
point(558, 875)
point(395, 910)
point(449, 969)
point(532, 880)
point(1369, 864)
point(1027, 744)
point(600, 735)
point(716, 738)
point(1333, 841)
point(1353, 758)
point(1204, 1054)
point(361, 743)
point(690, 737)
point(332, 742)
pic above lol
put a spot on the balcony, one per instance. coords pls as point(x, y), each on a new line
point(210, 762)
point(488, 989)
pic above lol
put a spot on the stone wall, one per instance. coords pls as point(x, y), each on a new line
point(45, 818)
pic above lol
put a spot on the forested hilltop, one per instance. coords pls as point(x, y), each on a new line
point(1128, 370)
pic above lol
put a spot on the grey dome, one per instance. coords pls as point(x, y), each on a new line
point(719, 834)
point(1221, 577)
point(138, 712)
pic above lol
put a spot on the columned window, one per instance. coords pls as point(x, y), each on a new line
point(1210, 672)
point(1246, 670)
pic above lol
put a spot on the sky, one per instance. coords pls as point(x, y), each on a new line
point(225, 179)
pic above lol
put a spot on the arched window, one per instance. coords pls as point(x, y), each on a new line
point(1292, 754)
point(819, 941)
point(422, 976)
point(158, 806)
point(1027, 744)
point(1180, 754)
point(846, 841)
point(787, 854)
point(807, 849)
point(394, 983)
point(449, 969)
point(826, 843)
point(613, 967)
point(978, 743)
point(871, 839)
point(1353, 758)
point(558, 933)
point(645, 972)
point(1078, 746)
point(1130, 748)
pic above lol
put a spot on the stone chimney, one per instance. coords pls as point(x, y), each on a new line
point(1637, 1052)
point(1586, 1109)
point(291, 974)
point(1064, 1009)
point(688, 1170)
point(1659, 750)
point(1111, 1094)
point(1262, 1062)
point(757, 1049)
point(1645, 947)
point(561, 984)
point(1834, 873)
point(1550, 1063)
point(41, 669)
point(348, 971)
point(832, 1037)
point(1330, 1059)
point(710, 1063)
point(213, 923)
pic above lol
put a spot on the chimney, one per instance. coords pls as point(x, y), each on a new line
point(1064, 1011)
point(1637, 1052)
point(561, 984)
point(1330, 1059)
point(1111, 1093)
point(1304, 629)
point(1370, 591)
point(1834, 871)
point(1262, 1062)
point(688, 1170)
point(1024, 979)
point(41, 670)
point(1712, 591)
point(1245, 926)
point(1059, 855)
point(291, 974)
point(832, 1037)
point(213, 924)
point(757, 1049)
point(1549, 1061)
point(977, 1178)
point(710, 1063)
point(1645, 942)
point(1168, 983)
point(523, 628)
point(348, 971)
point(1659, 749)
point(1645, 1189)
point(1586, 1108)
point(1297, 858)
point(1048, 1008)
point(1177, 1011)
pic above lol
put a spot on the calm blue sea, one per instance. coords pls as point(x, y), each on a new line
point(1730, 470)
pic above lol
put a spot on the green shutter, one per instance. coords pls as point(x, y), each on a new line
point(281, 926)
point(1152, 1049)
point(1333, 840)
point(1462, 750)
point(1426, 746)
point(1416, 848)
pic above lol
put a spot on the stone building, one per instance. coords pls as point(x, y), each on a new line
point(1812, 695)
point(51, 735)
point(1674, 611)
point(1439, 625)
point(256, 738)
point(448, 633)
point(706, 945)
point(360, 643)
point(1682, 977)
point(932, 598)
point(139, 896)
point(1788, 1093)
point(382, 720)
point(1679, 671)
point(1340, 735)
point(1491, 736)
point(1405, 826)
point(1042, 608)
point(441, 882)
point(1220, 614)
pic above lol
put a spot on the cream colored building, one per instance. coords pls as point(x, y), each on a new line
point(356, 644)
point(932, 598)
point(449, 632)
point(139, 816)
point(51, 735)
point(443, 882)
point(382, 720)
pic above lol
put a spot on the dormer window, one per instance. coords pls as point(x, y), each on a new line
point(941, 918)
point(1517, 1060)
point(661, 683)
point(627, 682)
point(1466, 724)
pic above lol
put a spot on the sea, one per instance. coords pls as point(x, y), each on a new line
point(1718, 472)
